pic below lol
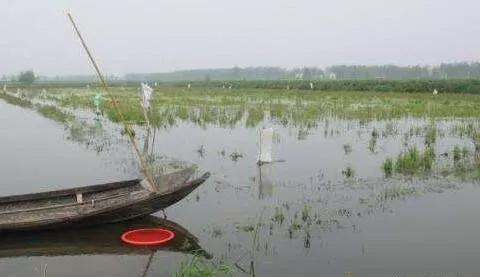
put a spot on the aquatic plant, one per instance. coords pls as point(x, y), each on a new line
point(412, 161)
point(127, 130)
point(197, 266)
point(395, 192)
point(461, 163)
point(235, 156)
point(428, 158)
point(476, 141)
point(307, 239)
point(431, 135)
point(217, 232)
point(388, 167)
point(246, 228)
point(254, 116)
point(457, 155)
point(303, 134)
point(390, 129)
point(83, 132)
point(17, 101)
point(347, 148)
point(348, 172)
point(406, 138)
point(306, 212)
point(294, 226)
point(213, 105)
point(373, 140)
point(344, 212)
point(278, 217)
point(201, 151)
point(54, 113)
point(465, 152)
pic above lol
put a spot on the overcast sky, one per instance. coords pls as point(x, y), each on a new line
point(166, 35)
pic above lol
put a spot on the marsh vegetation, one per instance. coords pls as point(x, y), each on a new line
point(348, 155)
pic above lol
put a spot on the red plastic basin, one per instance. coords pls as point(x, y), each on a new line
point(147, 236)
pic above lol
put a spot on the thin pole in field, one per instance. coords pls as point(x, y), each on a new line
point(145, 114)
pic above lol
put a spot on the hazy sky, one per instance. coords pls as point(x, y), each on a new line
point(166, 35)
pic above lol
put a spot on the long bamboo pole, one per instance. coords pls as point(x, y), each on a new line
point(143, 162)
point(145, 114)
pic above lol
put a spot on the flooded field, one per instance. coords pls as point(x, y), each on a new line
point(372, 184)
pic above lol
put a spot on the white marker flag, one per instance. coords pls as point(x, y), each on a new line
point(146, 95)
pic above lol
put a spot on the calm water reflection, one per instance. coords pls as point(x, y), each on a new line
point(331, 225)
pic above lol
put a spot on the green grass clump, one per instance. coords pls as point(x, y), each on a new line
point(131, 111)
point(306, 212)
point(462, 165)
point(197, 266)
point(278, 217)
point(246, 228)
point(465, 152)
point(295, 226)
point(235, 156)
point(457, 154)
point(388, 167)
point(428, 158)
point(81, 131)
point(431, 135)
point(411, 162)
point(17, 101)
point(348, 172)
point(347, 148)
point(390, 129)
point(395, 192)
point(54, 113)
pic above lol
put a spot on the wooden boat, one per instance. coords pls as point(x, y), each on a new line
point(104, 203)
point(96, 241)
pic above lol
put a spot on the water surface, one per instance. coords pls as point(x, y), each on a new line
point(332, 224)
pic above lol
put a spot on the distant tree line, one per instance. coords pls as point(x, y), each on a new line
point(466, 70)
point(471, 86)
point(26, 77)
point(393, 72)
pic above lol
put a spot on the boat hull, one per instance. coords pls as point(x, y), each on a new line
point(109, 203)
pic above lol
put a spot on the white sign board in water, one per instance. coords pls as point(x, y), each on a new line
point(265, 148)
point(265, 184)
